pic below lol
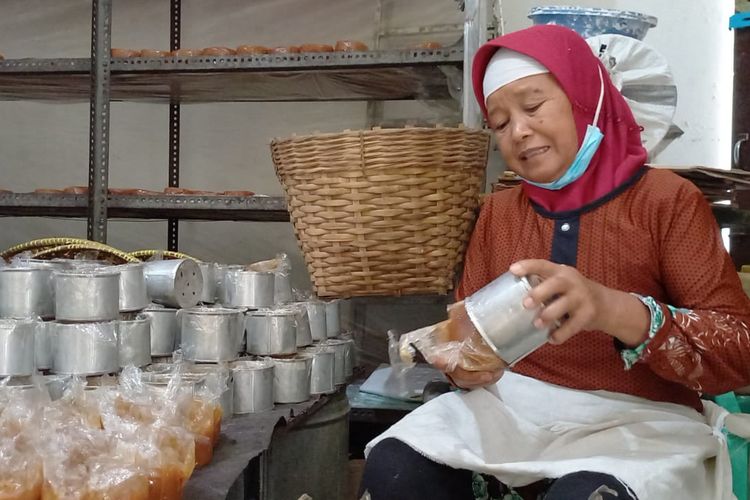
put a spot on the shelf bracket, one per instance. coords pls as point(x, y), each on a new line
point(101, 23)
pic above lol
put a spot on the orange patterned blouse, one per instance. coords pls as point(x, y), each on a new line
point(655, 236)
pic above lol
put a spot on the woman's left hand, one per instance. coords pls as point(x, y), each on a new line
point(571, 300)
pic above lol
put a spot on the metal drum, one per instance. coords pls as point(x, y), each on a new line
point(316, 313)
point(174, 283)
point(17, 347)
point(291, 379)
point(44, 344)
point(164, 330)
point(498, 314)
point(253, 386)
point(86, 348)
point(250, 289)
point(91, 295)
point(271, 331)
point(333, 322)
point(26, 292)
point(211, 334)
point(133, 296)
point(134, 342)
point(323, 369)
point(209, 272)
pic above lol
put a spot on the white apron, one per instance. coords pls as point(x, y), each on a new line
point(522, 430)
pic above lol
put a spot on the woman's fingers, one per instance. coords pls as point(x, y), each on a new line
point(472, 380)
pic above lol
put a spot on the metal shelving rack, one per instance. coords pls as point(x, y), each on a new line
point(100, 79)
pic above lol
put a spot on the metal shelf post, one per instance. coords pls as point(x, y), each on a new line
point(101, 22)
point(174, 126)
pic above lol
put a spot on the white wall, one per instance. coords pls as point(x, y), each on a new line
point(694, 37)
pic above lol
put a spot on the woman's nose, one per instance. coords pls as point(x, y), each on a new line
point(520, 129)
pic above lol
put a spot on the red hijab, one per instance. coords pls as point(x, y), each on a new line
point(572, 62)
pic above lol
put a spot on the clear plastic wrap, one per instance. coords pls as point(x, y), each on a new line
point(20, 473)
point(92, 294)
point(450, 344)
point(211, 334)
point(26, 291)
point(86, 348)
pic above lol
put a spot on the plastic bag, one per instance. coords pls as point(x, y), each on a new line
point(20, 473)
point(454, 343)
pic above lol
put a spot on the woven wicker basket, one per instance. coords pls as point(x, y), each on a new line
point(383, 211)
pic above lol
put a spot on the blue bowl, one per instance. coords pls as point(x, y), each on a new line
point(589, 21)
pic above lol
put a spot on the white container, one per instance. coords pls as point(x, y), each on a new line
point(44, 344)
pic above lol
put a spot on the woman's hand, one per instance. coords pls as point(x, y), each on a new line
point(577, 304)
point(468, 379)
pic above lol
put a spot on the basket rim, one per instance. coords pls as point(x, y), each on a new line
point(378, 130)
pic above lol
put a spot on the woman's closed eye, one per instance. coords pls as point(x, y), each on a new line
point(533, 108)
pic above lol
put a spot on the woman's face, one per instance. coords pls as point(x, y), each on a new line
point(533, 123)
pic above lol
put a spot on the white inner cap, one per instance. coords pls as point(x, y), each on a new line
point(507, 66)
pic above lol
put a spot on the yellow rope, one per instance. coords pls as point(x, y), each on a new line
point(166, 254)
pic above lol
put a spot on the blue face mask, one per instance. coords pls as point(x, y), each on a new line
point(581, 162)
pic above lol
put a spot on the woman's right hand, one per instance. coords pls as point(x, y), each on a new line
point(466, 379)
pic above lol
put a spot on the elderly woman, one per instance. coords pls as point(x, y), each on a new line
point(650, 308)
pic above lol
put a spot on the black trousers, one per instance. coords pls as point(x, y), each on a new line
point(394, 471)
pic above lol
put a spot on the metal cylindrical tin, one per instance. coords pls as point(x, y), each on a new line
point(271, 331)
point(304, 334)
point(316, 313)
point(174, 283)
point(134, 342)
point(349, 358)
point(17, 347)
point(213, 378)
point(164, 330)
point(133, 296)
point(86, 348)
point(208, 270)
point(498, 314)
point(333, 323)
point(253, 386)
point(253, 289)
point(291, 379)
point(44, 344)
point(91, 295)
point(211, 334)
point(323, 369)
point(282, 288)
point(222, 270)
point(341, 349)
point(26, 292)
